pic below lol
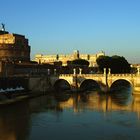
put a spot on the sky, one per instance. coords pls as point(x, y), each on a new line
point(90, 26)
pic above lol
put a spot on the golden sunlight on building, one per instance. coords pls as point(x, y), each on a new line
point(91, 58)
point(14, 47)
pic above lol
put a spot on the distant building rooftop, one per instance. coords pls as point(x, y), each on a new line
point(64, 58)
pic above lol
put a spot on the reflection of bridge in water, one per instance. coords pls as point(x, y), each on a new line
point(103, 81)
point(105, 103)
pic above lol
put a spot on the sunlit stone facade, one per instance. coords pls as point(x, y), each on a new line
point(14, 47)
point(68, 57)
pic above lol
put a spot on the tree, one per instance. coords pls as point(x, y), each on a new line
point(80, 62)
point(103, 62)
point(117, 64)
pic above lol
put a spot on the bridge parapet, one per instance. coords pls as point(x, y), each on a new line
point(77, 79)
point(102, 79)
point(100, 75)
point(91, 75)
point(120, 75)
point(82, 75)
point(66, 75)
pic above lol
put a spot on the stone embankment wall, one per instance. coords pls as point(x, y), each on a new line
point(39, 84)
point(13, 82)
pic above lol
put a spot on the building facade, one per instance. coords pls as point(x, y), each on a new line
point(51, 59)
point(13, 47)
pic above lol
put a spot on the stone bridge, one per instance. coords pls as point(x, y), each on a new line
point(103, 81)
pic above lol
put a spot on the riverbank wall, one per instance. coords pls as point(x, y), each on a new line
point(39, 84)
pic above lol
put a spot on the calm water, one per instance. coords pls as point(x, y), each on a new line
point(81, 116)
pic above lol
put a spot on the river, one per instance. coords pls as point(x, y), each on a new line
point(67, 116)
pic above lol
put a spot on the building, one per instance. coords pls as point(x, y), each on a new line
point(13, 47)
point(51, 59)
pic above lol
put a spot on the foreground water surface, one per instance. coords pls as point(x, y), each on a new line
point(66, 116)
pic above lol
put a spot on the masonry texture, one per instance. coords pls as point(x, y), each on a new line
point(14, 47)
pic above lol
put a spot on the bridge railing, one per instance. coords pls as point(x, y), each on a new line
point(66, 75)
point(98, 75)
point(82, 75)
point(91, 75)
point(126, 75)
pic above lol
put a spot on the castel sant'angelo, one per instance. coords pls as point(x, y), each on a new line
point(13, 47)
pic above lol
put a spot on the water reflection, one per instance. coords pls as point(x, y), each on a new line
point(62, 97)
point(42, 116)
point(96, 100)
point(15, 122)
point(93, 100)
point(122, 97)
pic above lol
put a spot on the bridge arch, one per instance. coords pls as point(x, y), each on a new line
point(89, 84)
point(61, 84)
point(121, 83)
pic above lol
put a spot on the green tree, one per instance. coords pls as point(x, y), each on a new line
point(103, 62)
point(80, 62)
point(117, 64)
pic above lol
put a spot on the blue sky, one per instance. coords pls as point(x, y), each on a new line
point(90, 26)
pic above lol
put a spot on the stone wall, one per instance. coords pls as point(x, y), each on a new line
point(14, 47)
point(39, 84)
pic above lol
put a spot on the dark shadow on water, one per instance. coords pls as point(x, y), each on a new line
point(62, 96)
point(122, 96)
point(84, 96)
point(92, 95)
point(121, 92)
